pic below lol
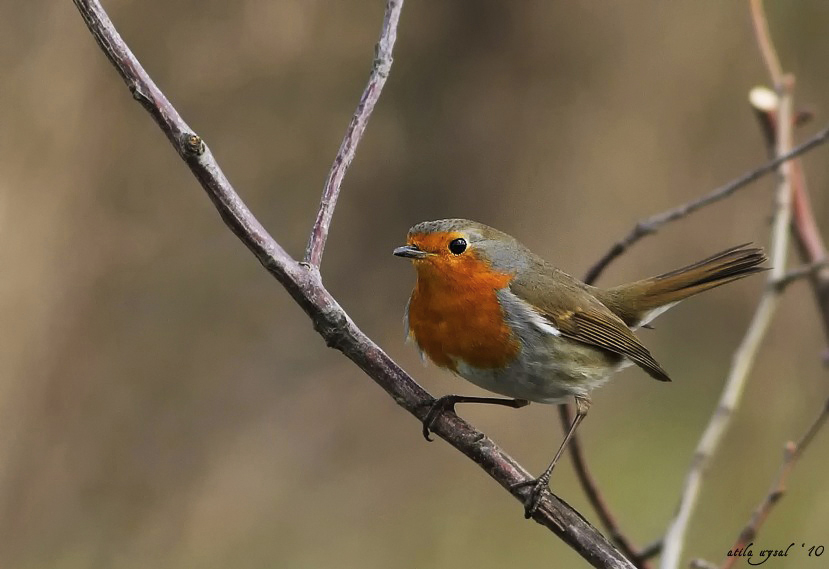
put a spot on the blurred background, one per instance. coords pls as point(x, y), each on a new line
point(163, 402)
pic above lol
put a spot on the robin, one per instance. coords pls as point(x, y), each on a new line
point(491, 311)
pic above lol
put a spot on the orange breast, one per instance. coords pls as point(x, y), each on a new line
point(455, 315)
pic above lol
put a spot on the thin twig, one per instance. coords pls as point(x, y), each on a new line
point(701, 564)
point(640, 230)
point(303, 283)
point(652, 224)
point(591, 489)
point(594, 495)
point(810, 244)
point(653, 549)
point(800, 272)
point(791, 453)
point(354, 133)
point(761, 31)
point(805, 227)
point(746, 353)
point(813, 252)
point(804, 220)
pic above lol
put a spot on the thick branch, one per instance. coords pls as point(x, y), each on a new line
point(329, 319)
point(354, 133)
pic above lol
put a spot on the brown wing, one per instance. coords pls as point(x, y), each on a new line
point(568, 306)
point(598, 330)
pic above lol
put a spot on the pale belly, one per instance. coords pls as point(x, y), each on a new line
point(547, 376)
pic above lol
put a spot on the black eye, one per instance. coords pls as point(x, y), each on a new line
point(458, 246)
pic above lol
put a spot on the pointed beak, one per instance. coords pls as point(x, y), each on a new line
point(410, 252)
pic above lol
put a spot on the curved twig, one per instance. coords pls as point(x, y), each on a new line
point(813, 251)
point(807, 236)
point(303, 283)
point(652, 224)
point(746, 353)
point(591, 489)
point(767, 51)
point(354, 133)
point(791, 453)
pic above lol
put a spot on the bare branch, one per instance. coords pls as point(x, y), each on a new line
point(797, 273)
point(303, 283)
point(354, 133)
point(746, 353)
point(189, 146)
point(791, 453)
point(653, 549)
point(652, 224)
point(702, 564)
point(813, 252)
point(594, 495)
point(640, 230)
point(805, 227)
point(761, 31)
point(807, 235)
point(808, 238)
point(649, 226)
point(810, 244)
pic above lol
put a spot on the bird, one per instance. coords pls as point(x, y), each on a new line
point(491, 311)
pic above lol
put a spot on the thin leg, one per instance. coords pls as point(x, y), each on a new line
point(540, 483)
point(447, 402)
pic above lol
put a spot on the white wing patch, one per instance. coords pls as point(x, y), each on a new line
point(543, 324)
point(651, 316)
point(522, 314)
point(538, 321)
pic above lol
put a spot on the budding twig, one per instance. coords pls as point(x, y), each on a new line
point(809, 241)
point(746, 353)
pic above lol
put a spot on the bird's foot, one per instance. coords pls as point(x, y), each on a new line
point(533, 499)
point(441, 404)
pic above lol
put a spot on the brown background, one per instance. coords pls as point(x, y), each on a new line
point(163, 403)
